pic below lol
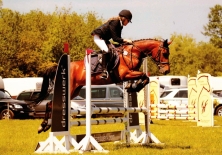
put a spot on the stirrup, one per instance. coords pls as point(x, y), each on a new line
point(104, 77)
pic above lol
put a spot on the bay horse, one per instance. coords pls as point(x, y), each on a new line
point(130, 60)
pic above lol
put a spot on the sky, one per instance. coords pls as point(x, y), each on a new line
point(151, 18)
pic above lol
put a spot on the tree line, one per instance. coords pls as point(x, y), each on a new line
point(33, 41)
point(30, 42)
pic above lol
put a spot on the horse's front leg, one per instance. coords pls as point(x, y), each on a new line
point(46, 123)
point(142, 78)
point(143, 81)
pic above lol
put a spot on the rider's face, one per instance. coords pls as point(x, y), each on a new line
point(125, 21)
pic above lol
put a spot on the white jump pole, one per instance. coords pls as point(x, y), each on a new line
point(149, 136)
point(88, 142)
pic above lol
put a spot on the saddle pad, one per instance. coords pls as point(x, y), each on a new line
point(96, 66)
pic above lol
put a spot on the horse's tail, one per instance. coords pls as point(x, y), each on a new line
point(47, 83)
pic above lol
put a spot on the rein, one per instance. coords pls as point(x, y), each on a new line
point(131, 56)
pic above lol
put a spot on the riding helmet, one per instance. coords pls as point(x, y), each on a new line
point(127, 14)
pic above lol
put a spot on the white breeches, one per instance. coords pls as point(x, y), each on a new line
point(100, 43)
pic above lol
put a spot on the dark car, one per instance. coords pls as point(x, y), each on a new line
point(30, 95)
point(11, 108)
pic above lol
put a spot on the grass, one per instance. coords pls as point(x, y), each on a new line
point(20, 137)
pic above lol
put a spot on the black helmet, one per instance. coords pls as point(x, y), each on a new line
point(127, 14)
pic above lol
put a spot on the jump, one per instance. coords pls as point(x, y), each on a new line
point(124, 66)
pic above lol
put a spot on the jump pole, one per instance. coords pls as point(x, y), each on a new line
point(146, 103)
point(148, 135)
point(145, 137)
point(89, 142)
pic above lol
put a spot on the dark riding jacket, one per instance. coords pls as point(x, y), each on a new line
point(111, 29)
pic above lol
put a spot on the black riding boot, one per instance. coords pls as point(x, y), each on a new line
point(105, 59)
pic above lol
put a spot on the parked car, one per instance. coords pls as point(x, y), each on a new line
point(105, 95)
point(30, 95)
point(80, 103)
point(102, 96)
point(11, 108)
point(180, 96)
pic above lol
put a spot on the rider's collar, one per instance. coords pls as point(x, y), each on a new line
point(121, 22)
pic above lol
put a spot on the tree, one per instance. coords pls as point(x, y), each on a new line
point(186, 57)
point(1, 4)
point(9, 22)
point(33, 41)
point(210, 59)
point(182, 58)
point(214, 28)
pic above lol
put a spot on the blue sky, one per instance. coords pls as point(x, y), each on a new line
point(151, 18)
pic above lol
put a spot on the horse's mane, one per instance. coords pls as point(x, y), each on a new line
point(147, 39)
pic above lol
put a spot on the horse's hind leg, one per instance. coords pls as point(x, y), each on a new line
point(46, 124)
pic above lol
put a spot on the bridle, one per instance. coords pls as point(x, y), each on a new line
point(156, 60)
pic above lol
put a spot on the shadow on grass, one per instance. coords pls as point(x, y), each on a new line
point(159, 146)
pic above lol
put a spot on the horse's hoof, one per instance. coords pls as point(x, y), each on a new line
point(47, 128)
point(40, 129)
point(139, 87)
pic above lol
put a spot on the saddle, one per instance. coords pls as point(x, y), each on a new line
point(96, 61)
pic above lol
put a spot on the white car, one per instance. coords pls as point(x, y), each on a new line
point(180, 96)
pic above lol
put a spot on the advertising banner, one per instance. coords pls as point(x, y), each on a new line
point(61, 97)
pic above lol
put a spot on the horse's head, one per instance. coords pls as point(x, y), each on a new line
point(157, 50)
point(163, 53)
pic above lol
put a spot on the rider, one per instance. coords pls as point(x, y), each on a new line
point(111, 29)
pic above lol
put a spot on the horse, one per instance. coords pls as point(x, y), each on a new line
point(130, 58)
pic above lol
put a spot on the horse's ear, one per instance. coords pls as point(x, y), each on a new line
point(165, 43)
point(169, 42)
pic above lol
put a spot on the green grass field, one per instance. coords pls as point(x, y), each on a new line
point(20, 137)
